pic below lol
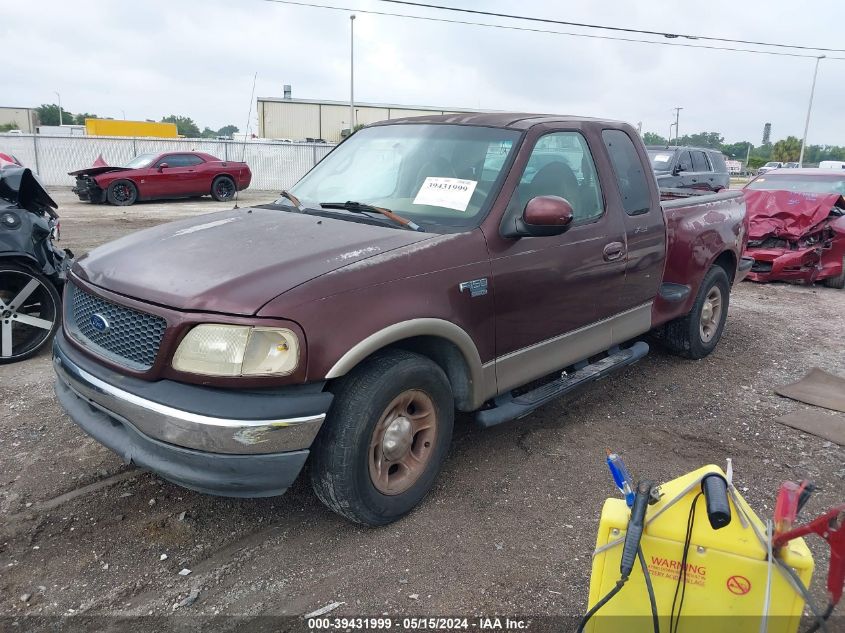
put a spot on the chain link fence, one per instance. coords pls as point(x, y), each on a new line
point(275, 166)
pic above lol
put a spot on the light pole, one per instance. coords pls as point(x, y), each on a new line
point(809, 110)
point(60, 108)
point(351, 73)
point(677, 119)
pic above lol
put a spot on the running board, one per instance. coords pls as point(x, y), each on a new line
point(508, 407)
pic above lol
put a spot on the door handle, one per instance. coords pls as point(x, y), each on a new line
point(613, 251)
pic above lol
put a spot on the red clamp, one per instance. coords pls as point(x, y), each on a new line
point(831, 527)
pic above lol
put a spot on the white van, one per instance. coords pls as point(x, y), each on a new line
point(832, 164)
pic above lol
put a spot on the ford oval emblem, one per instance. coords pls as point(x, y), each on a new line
point(99, 323)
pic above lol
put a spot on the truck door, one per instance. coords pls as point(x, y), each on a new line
point(556, 297)
point(684, 169)
point(645, 233)
point(702, 175)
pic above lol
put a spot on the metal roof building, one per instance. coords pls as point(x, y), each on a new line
point(24, 119)
point(300, 119)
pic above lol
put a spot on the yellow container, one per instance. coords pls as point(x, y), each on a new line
point(726, 569)
point(115, 127)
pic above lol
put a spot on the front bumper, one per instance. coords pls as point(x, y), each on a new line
point(223, 442)
point(783, 264)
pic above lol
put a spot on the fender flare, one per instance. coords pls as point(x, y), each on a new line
point(479, 376)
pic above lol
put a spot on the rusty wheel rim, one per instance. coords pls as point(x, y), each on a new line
point(711, 314)
point(402, 442)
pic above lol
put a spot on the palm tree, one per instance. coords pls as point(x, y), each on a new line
point(787, 150)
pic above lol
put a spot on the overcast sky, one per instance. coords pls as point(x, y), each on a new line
point(197, 58)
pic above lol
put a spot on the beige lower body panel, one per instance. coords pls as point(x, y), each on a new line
point(524, 365)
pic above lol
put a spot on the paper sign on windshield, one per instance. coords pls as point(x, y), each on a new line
point(452, 193)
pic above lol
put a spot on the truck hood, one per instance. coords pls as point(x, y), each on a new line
point(234, 261)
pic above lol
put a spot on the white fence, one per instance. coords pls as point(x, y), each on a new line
point(275, 166)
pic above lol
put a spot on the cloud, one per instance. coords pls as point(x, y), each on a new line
point(198, 58)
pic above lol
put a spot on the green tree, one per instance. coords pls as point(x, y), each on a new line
point(737, 151)
point(650, 138)
point(787, 150)
point(48, 114)
point(208, 133)
point(702, 139)
point(755, 162)
point(228, 130)
point(79, 119)
point(184, 125)
point(8, 126)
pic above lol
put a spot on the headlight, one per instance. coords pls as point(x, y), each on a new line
point(237, 350)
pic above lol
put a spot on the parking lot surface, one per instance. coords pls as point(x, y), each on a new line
point(508, 529)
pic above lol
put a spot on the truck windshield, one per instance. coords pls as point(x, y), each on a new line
point(805, 184)
point(141, 161)
point(660, 159)
point(431, 174)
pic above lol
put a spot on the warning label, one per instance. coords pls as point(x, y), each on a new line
point(739, 585)
point(669, 568)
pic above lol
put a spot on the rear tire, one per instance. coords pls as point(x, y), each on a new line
point(837, 282)
point(223, 189)
point(695, 335)
point(385, 438)
point(30, 314)
point(122, 193)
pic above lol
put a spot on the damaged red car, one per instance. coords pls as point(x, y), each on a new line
point(162, 176)
point(797, 226)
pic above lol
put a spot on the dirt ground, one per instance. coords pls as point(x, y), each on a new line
point(508, 529)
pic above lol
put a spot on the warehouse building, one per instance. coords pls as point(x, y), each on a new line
point(301, 119)
point(23, 119)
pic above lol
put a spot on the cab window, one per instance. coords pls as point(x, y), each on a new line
point(629, 172)
point(561, 165)
point(699, 162)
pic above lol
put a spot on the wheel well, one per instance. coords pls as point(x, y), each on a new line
point(19, 260)
point(727, 261)
point(448, 357)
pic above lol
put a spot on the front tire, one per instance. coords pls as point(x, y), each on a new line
point(385, 438)
point(695, 335)
point(30, 312)
point(122, 193)
point(838, 281)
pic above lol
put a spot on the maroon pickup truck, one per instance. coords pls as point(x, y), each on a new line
point(482, 263)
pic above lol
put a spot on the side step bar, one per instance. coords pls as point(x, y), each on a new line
point(508, 407)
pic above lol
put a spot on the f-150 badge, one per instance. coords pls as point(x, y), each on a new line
point(476, 287)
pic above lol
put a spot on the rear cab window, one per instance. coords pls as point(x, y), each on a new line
point(629, 172)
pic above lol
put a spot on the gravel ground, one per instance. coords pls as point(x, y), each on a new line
point(508, 529)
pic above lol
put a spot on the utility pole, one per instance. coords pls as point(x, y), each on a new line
point(60, 108)
point(809, 110)
point(677, 119)
point(748, 155)
point(351, 73)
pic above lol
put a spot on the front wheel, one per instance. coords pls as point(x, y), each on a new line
point(839, 280)
point(697, 334)
point(122, 193)
point(223, 189)
point(29, 312)
point(385, 438)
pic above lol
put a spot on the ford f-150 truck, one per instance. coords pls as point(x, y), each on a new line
point(480, 263)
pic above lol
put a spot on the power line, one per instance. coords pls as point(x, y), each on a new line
point(302, 3)
point(610, 28)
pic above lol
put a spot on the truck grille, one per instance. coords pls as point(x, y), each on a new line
point(123, 335)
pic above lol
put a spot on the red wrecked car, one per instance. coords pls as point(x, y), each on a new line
point(157, 176)
point(797, 226)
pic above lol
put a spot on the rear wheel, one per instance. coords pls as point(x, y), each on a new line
point(385, 438)
point(223, 189)
point(697, 334)
point(29, 312)
point(838, 281)
point(122, 193)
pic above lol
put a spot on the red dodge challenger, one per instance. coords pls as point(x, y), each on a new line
point(157, 176)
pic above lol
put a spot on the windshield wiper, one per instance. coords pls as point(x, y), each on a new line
point(289, 196)
point(360, 207)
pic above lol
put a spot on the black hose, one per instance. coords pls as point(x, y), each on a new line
point(655, 619)
point(619, 584)
point(820, 622)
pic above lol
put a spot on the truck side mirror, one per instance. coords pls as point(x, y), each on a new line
point(677, 169)
point(163, 166)
point(543, 216)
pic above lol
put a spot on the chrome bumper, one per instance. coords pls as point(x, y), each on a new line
point(184, 428)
